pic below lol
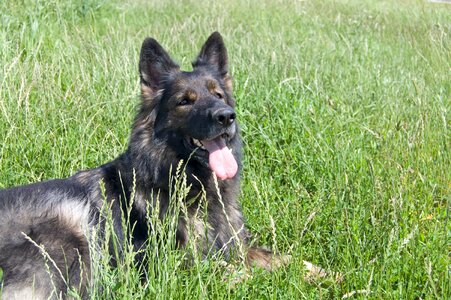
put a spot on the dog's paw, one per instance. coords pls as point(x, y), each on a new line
point(266, 259)
point(315, 274)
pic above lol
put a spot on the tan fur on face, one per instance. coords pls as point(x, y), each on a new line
point(147, 93)
point(211, 86)
point(228, 83)
point(191, 95)
point(215, 89)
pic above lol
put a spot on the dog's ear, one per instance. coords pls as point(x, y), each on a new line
point(155, 65)
point(214, 55)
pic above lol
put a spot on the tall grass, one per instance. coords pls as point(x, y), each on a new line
point(345, 113)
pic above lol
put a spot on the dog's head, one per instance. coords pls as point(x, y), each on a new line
point(192, 112)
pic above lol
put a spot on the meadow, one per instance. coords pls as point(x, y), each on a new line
point(344, 109)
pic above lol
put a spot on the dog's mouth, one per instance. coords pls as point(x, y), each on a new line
point(216, 154)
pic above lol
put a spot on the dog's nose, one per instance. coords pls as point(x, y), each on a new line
point(224, 116)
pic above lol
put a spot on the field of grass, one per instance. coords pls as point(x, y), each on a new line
point(345, 113)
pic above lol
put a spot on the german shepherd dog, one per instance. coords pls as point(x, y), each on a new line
point(183, 116)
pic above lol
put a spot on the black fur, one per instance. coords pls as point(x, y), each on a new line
point(176, 108)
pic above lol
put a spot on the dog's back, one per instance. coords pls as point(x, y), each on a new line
point(43, 238)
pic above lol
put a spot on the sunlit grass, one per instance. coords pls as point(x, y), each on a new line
point(345, 113)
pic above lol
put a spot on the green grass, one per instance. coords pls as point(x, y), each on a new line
point(345, 114)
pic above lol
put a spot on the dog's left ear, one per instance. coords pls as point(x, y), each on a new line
point(213, 55)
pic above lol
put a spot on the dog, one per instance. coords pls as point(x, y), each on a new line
point(185, 121)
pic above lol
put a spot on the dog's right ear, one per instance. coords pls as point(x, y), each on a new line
point(155, 65)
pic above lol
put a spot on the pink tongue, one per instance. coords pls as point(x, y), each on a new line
point(221, 160)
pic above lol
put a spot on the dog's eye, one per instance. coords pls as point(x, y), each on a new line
point(183, 102)
point(219, 95)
